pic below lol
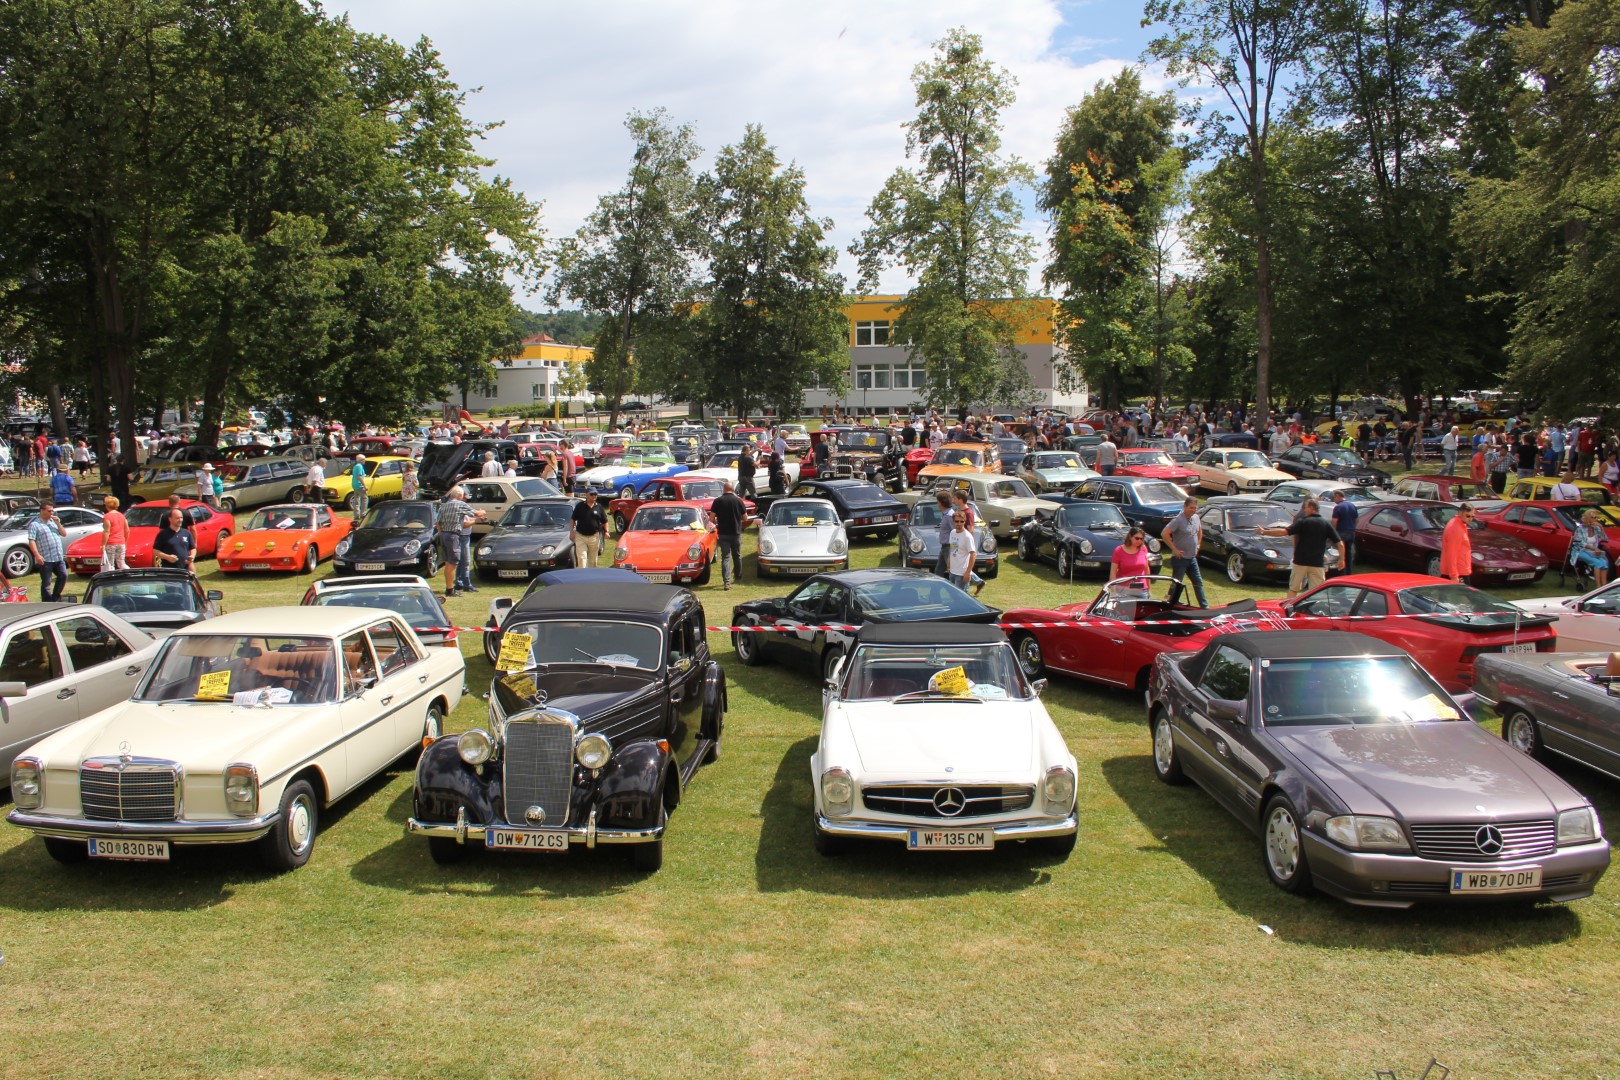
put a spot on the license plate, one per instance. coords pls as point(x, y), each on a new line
point(513, 573)
point(1520, 577)
point(140, 850)
point(883, 520)
point(658, 579)
point(92, 562)
point(525, 840)
point(801, 569)
point(371, 566)
point(1519, 879)
point(256, 566)
point(1364, 481)
point(950, 839)
point(1522, 647)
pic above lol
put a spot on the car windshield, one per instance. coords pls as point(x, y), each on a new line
point(1092, 516)
point(399, 515)
point(552, 515)
point(911, 598)
point(283, 517)
point(703, 489)
point(1145, 457)
point(951, 455)
point(1354, 690)
point(1162, 492)
point(926, 515)
point(149, 517)
point(567, 641)
point(1338, 455)
point(860, 440)
point(19, 519)
point(134, 596)
point(1249, 518)
point(1246, 459)
point(1459, 603)
point(416, 604)
point(1056, 461)
point(886, 672)
point(801, 513)
point(533, 487)
point(666, 519)
point(724, 459)
point(1010, 446)
point(1608, 516)
point(218, 667)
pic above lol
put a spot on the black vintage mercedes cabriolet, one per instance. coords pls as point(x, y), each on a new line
point(594, 733)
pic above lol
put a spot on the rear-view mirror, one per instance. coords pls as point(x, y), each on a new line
point(1225, 710)
point(1039, 686)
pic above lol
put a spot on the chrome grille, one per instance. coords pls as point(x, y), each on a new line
point(141, 789)
point(1460, 842)
point(538, 768)
point(921, 800)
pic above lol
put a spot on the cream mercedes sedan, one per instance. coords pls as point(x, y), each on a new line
point(245, 729)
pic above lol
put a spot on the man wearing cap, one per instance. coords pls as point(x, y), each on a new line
point(585, 527)
point(357, 480)
point(64, 492)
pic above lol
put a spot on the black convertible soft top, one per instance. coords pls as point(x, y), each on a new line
point(603, 598)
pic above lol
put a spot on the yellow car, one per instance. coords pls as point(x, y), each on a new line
point(1539, 489)
point(385, 478)
point(953, 458)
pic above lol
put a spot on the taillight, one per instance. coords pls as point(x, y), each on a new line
point(450, 637)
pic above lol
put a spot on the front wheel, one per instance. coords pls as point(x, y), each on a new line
point(1522, 733)
point(1284, 848)
point(829, 845)
point(430, 562)
point(708, 572)
point(1166, 762)
point(649, 857)
point(352, 501)
point(296, 495)
point(1433, 567)
point(1231, 487)
point(312, 559)
point(227, 505)
point(1026, 552)
point(829, 660)
point(1028, 648)
point(290, 841)
point(627, 492)
point(1236, 568)
point(1065, 563)
point(620, 522)
point(492, 643)
point(746, 642)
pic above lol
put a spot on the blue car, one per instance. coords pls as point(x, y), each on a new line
point(1145, 501)
point(624, 477)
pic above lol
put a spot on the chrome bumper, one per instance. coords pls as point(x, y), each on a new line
point(1006, 830)
point(179, 832)
point(460, 831)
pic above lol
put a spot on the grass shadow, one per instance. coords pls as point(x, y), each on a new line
point(1191, 827)
point(786, 860)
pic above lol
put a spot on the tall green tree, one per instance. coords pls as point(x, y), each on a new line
point(632, 261)
point(771, 320)
point(955, 225)
point(1246, 49)
point(1111, 188)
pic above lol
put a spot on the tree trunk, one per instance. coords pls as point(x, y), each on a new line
point(1262, 359)
point(120, 366)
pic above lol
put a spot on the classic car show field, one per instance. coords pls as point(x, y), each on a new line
point(1158, 947)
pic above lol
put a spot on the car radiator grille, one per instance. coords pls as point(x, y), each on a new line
point(1461, 843)
point(926, 800)
point(111, 789)
point(538, 769)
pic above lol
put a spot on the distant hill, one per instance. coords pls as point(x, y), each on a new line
point(566, 327)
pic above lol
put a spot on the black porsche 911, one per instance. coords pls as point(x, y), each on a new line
point(1230, 542)
point(1079, 537)
point(395, 537)
point(530, 538)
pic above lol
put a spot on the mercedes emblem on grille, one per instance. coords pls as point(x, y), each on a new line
point(1488, 838)
point(949, 801)
point(535, 815)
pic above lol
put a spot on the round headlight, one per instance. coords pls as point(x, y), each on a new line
point(1153, 545)
point(593, 751)
point(412, 546)
point(1085, 547)
point(485, 550)
point(621, 553)
point(988, 544)
point(1058, 789)
point(915, 545)
point(1479, 556)
point(766, 545)
point(837, 789)
point(839, 545)
point(548, 551)
point(1270, 553)
point(475, 746)
point(343, 545)
point(695, 552)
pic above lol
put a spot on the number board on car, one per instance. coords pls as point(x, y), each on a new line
point(1518, 879)
point(526, 840)
point(139, 850)
point(950, 840)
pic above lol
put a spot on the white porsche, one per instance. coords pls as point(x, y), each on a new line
point(932, 737)
point(800, 537)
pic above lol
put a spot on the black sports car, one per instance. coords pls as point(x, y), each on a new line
point(157, 600)
point(1078, 536)
point(1230, 542)
point(530, 538)
point(1331, 463)
point(848, 599)
point(919, 540)
point(862, 507)
point(402, 537)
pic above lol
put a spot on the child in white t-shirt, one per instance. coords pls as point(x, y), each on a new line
point(962, 555)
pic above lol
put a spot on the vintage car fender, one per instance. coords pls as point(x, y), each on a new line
point(714, 700)
point(630, 788)
point(445, 784)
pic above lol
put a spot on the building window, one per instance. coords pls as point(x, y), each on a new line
point(534, 392)
point(872, 333)
point(872, 376)
point(910, 378)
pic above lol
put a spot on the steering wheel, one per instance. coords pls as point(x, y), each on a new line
point(302, 690)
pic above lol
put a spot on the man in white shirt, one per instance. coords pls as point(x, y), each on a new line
point(316, 479)
point(1565, 489)
point(491, 466)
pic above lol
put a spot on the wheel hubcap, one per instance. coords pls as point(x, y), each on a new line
point(300, 825)
point(16, 564)
point(1234, 568)
point(1282, 843)
point(1521, 734)
point(1164, 750)
point(1030, 653)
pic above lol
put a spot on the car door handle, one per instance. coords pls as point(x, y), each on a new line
point(421, 678)
point(1117, 641)
point(1220, 747)
point(1560, 694)
point(387, 699)
point(63, 695)
point(133, 669)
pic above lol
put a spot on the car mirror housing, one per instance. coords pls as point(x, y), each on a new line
point(215, 594)
point(1039, 686)
point(13, 689)
point(1226, 710)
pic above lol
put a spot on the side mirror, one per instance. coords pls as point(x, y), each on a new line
point(215, 594)
point(1227, 711)
point(503, 603)
point(75, 598)
point(680, 665)
point(1039, 686)
point(13, 689)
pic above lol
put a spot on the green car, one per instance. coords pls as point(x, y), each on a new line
point(1053, 470)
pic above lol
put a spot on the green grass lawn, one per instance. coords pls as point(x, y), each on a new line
point(1140, 955)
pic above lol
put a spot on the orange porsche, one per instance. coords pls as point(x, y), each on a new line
point(961, 458)
point(291, 536)
point(669, 542)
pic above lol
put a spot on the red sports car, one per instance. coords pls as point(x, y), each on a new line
point(916, 458)
point(210, 527)
point(1156, 465)
point(1115, 638)
point(702, 490)
point(1548, 525)
point(1443, 625)
point(1407, 534)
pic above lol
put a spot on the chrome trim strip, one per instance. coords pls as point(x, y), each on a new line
point(182, 832)
point(590, 833)
point(1016, 830)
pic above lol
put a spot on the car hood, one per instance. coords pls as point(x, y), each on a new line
point(669, 545)
point(930, 740)
point(586, 690)
point(383, 541)
point(260, 540)
point(1020, 507)
point(1428, 772)
point(442, 466)
point(791, 540)
point(525, 540)
point(1156, 472)
point(1063, 476)
point(203, 736)
point(1500, 547)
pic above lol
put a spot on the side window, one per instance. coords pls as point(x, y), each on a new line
point(359, 669)
point(89, 643)
point(1285, 494)
point(31, 658)
point(836, 603)
point(323, 517)
point(1227, 676)
point(258, 474)
point(394, 653)
point(808, 599)
point(1520, 491)
point(1515, 514)
point(1372, 603)
point(73, 518)
point(1211, 518)
point(1388, 519)
point(696, 630)
point(803, 489)
point(1535, 516)
point(1332, 602)
point(680, 643)
point(1427, 491)
point(199, 514)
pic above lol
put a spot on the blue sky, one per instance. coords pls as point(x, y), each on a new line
point(829, 82)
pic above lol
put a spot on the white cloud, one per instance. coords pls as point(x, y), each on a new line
point(830, 83)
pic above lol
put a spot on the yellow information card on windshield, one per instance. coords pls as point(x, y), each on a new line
point(514, 652)
point(214, 686)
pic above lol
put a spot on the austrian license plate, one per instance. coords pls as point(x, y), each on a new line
point(887, 519)
point(1520, 577)
point(1521, 647)
point(950, 840)
point(526, 840)
point(92, 562)
point(140, 850)
point(371, 566)
point(801, 569)
point(256, 566)
point(658, 579)
point(1519, 879)
point(513, 573)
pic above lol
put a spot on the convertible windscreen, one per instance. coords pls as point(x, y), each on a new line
point(666, 519)
point(1148, 457)
point(799, 513)
point(146, 517)
point(703, 489)
point(414, 603)
point(861, 441)
point(393, 515)
point(1254, 517)
point(884, 672)
point(1358, 690)
point(1608, 516)
point(542, 515)
point(133, 597)
point(216, 667)
point(282, 518)
point(630, 645)
point(1100, 516)
point(915, 598)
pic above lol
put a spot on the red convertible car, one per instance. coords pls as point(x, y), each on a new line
point(701, 490)
point(1548, 525)
point(210, 527)
point(1443, 625)
point(1156, 465)
point(1115, 638)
